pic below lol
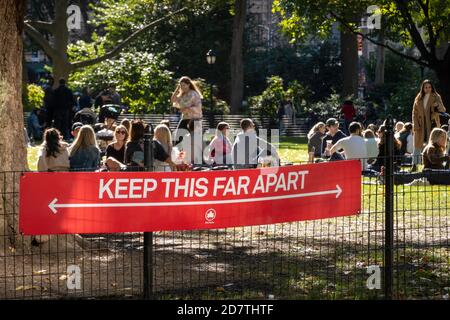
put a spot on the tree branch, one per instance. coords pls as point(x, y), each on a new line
point(415, 35)
point(41, 41)
point(433, 38)
point(46, 26)
point(346, 25)
point(121, 45)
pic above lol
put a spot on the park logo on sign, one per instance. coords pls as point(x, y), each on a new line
point(210, 215)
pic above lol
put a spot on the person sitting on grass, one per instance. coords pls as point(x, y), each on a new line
point(433, 155)
point(333, 135)
point(257, 149)
point(53, 155)
point(405, 136)
point(84, 152)
point(371, 145)
point(162, 139)
point(382, 154)
point(219, 150)
point(315, 136)
point(354, 146)
point(115, 152)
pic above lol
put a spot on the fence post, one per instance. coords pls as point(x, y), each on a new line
point(389, 207)
point(148, 236)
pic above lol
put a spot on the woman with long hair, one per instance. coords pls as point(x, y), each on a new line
point(425, 116)
point(406, 137)
point(84, 152)
point(219, 150)
point(434, 153)
point(379, 162)
point(53, 155)
point(134, 149)
point(163, 139)
point(188, 98)
point(115, 152)
point(315, 136)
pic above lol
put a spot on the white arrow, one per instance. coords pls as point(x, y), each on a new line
point(53, 205)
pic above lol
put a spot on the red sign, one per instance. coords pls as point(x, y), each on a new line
point(109, 202)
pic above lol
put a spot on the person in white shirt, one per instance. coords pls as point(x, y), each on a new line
point(354, 146)
point(248, 148)
point(371, 145)
point(192, 145)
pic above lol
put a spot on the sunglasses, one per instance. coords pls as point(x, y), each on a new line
point(122, 132)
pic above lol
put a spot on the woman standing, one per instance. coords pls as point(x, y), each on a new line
point(84, 152)
point(425, 117)
point(53, 155)
point(188, 99)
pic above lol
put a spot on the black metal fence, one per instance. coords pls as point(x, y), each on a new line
point(401, 235)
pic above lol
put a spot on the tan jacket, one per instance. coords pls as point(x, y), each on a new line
point(60, 163)
point(422, 120)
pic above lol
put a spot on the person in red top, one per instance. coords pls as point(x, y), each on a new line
point(349, 111)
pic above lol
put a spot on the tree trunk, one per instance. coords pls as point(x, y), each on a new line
point(349, 60)
point(13, 154)
point(236, 58)
point(381, 55)
point(61, 63)
point(443, 74)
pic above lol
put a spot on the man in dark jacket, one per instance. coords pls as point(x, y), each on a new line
point(64, 102)
point(49, 102)
point(333, 136)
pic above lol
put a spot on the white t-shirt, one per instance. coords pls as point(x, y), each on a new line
point(425, 101)
point(372, 147)
point(354, 148)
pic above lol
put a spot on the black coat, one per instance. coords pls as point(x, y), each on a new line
point(64, 100)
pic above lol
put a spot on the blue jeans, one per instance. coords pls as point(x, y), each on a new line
point(417, 156)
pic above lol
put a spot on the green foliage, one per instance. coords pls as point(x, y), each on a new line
point(276, 93)
point(330, 107)
point(267, 102)
point(218, 106)
point(296, 63)
point(182, 40)
point(312, 17)
point(33, 97)
point(141, 79)
point(401, 85)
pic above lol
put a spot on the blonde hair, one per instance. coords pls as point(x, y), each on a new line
point(316, 128)
point(84, 140)
point(368, 134)
point(192, 85)
point(435, 134)
point(118, 128)
point(163, 135)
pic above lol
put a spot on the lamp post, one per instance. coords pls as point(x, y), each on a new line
point(211, 59)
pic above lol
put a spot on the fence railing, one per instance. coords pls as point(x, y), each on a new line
point(398, 246)
point(291, 127)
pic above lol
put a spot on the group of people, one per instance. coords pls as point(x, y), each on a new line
point(60, 105)
point(425, 139)
point(125, 147)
